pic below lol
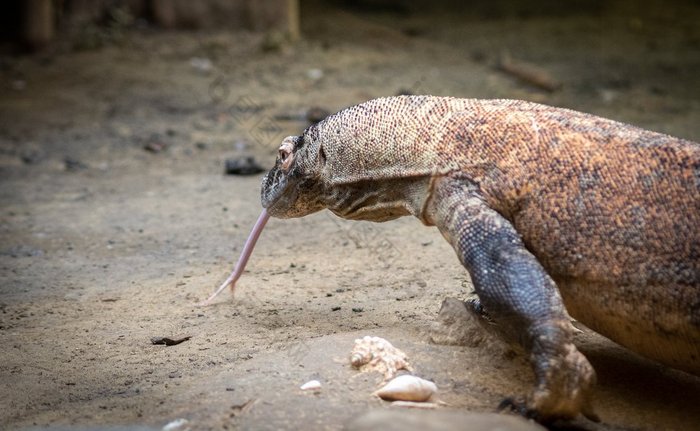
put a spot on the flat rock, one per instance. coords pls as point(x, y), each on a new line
point(407, 420)
point(242, 166)
point(456, 326)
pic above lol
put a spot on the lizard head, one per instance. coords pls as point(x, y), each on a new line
point(292, 188)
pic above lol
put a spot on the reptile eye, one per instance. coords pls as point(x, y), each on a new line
point(285, 153)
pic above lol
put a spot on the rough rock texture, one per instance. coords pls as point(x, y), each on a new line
point(420, 420)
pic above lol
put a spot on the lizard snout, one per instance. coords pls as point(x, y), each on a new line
point(273, 185)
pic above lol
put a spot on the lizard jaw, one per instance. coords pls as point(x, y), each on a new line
point(274, 188)
point(287, 195)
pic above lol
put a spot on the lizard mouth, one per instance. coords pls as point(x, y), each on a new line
point(275, 193)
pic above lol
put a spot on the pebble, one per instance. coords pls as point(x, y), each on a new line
point(311, 385)
point(314, 74)
point(201, 64)
point(455, 325)
point(73, 164)
point(174, 425)
point(242, 166)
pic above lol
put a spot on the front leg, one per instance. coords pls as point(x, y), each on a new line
point(518, 295)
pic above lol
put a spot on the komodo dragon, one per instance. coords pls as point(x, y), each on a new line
point(552, 212)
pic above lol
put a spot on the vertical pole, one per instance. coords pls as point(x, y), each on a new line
point(293, 19)
point(38, 23)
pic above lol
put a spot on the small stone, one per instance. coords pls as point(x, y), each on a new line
point(23, 250)
point(314, 74)
point(404, 92)
point(311, 385)
point(455, 325)
point(155, 146)
point(31, 157)
point(201, 64)
point(73, 164)
point(316, 114)
point(175, 425)
point(242, 166)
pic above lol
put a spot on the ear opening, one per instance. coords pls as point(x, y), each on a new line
point(321, 156)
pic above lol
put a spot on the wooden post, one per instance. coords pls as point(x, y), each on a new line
point(38, 23)
point(275, 15)
point(293, 20)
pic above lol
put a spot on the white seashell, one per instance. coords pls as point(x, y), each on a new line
point(173, 425)
point(407, 388)
point(357, 360)
point(377, 354)
point(311, 385)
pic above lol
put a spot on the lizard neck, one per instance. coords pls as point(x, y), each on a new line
point(377, 200)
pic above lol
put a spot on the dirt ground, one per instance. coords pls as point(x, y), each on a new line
point(105, 244)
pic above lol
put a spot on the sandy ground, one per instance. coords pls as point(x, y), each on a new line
point(105, 244)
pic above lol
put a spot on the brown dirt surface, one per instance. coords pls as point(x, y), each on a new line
point(116, 218)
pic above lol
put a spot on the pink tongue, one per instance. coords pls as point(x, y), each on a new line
point(245, 254)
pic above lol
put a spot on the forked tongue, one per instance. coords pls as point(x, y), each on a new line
point(245, 254)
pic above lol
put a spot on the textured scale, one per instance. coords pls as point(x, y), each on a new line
point(552, 211)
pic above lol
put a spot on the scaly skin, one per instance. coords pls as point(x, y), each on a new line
point(551, 212)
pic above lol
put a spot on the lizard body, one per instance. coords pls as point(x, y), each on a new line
point(553, 213)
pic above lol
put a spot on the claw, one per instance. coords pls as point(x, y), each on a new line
point(521, 408)
point(516, 406)
point(588, 412)
point(475, 307)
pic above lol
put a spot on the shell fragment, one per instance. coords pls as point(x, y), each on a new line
point(311, 385)
point(377, 354)
point(407, 388)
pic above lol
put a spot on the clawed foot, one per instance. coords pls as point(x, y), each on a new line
point(564, 377)
point(474, 306)
point(522, 408)
point(485, 322)
point(519, 407)
point(564, 386)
